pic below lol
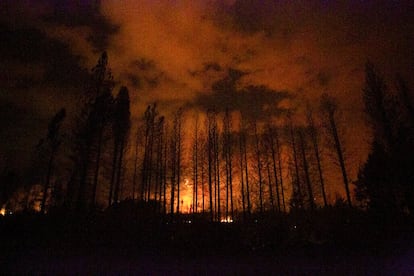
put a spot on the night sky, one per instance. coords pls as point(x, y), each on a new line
point(172, 52)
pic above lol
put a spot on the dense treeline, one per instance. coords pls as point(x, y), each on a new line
point(386, 181)
point(224, 163)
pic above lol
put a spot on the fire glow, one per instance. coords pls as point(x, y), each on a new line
point(226, 220)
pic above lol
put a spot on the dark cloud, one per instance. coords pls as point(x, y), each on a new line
point(144, 74)
point(212, 66)
point(74, 14)
point(39, 74)
point(29, 46)
point(253, 102)
point(323, 78)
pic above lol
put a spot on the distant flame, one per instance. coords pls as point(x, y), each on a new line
point(226, 220)
point(3, 211)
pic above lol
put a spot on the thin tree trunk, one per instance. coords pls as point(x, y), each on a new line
point(231, 177)
point(217, 171)
point(341, 160)
point(97, 166)
point(47, 182)
point(273, 153)
point(134, 178)
point(246, 170)
point(259, 167)
point(113, 175)
point(173, 171)
point(165, 173)
point(195, 177)
point(119, 173)
point(306, 170)
point(242, 175)
point(210, 164)
point(269, 179)
point(315, 143)
point(202, 185)
point(179, 165)
point(297, 181)
point(279, 157)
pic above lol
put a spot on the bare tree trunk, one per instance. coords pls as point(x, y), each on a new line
point(306, 171)
point(273, 153)
point(165, 173)
point(134, 177)
point(242, 173)
point(231, 176)
point(119, 172)
point(297, 188)
point(47, 182)
point(329, 107)
point(97, 166)
point(246, 170)
point(179, 146)
point(269, 179)
point(217, 170)
point(113, 175)
point(210, 162)
point(259, 166)
point(227, 150)
point(341, 160)
point(315, 143)
point(202, 185)
point(279, 156)
point(173, 171)
point(195, 168)
point(150, 161)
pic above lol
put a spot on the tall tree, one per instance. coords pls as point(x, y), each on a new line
point(385, 180)
point(87, 135)
point(211, 125)
point(149, 118)
point(243, 143)
point(302, 147)
point(296, 189)
point(271, 137)
point(329, 110)
point(269, 182)
point(135, 174)
point(159, 146)
point(279, 158)
point(228, 156)
point(195, 166)
point(259, 165)
point(102, 113)
point(179, 144)
point(53, 141)
point(314, 136)
point(374, 95)
point(241, 159)
point(120, 127)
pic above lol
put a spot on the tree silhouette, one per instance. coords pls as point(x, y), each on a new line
point(385, 180)
point(259, 165)
point(87, 137)
point(120, 127)
point(297, 196)
point(329, 109)
point(228, 158)
point(271, 133)
point(102, 113)
point(195, 159)
point(52, 142)
point(314, 136)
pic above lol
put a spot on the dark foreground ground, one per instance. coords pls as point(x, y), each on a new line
point(329, 242)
